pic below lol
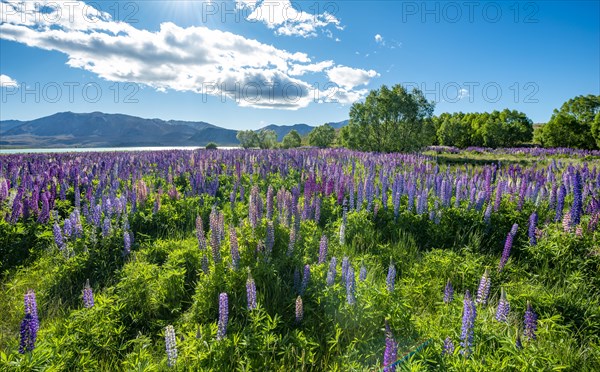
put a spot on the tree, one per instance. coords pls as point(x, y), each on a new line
point(247, 138)
point(211, 146)
point(267, 138)
point(322, 136)
point(291, 140)
point(506, 129)
point(390, 120)
point(574, 125)
point(455, 131)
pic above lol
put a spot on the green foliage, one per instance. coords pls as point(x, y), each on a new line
point(496, 129)
point(576, 124)
point(267, 138)
point(291, 140)
point(390, 120)
point(162, 283)
point(322, 136)
point(247, 138)
point(211, 146)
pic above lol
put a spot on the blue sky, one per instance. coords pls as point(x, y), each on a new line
point(246, 64)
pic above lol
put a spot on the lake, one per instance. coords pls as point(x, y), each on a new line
point(104, 149)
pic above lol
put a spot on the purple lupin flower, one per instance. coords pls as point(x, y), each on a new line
point(448, 346)
point(88, 295)
point(391, 350)
point(299, 309)
point(533, 220)
point(391, 277)
point(305, 279)
point(507, 246)
point(290, 250)
point(566, 222)
point(45, 214)
point(204, 263)
point(483, 291)
point(350, 285)
point(345, 265)
point(270, 202)
point(251, 292)
point(363, 273)
point(171, 345)
point(30, 323)
point(323, 249)
point(106, 227)
point(126, 243)
point(233, 244)
point(58, 237)
point(343, 233)
point(200, 233)
point(530, 322)
point(331, 273)
point(503, 307)
point(223, 316)
point(468, 321)
point(577, 206)
point(560, 202)
point(448, 292)
point(270, 239)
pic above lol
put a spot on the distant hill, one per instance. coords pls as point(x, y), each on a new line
point(97, 129)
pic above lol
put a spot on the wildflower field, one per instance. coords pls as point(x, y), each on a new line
point(292, 260)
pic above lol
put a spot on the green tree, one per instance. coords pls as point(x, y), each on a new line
point(247, 138)
point(506, 128)
point(291, 140)
point(322, 136)
point(454, 130)
point(390, 120)
point(211, 146)
point(574, 125)
point(267, 138)
point(596, 129)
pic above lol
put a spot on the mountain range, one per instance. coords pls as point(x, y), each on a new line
point(97, 129)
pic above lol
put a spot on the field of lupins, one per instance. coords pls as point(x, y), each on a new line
point(300, 260)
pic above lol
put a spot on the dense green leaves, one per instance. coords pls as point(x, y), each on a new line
point(390, 120)
point(576, 124)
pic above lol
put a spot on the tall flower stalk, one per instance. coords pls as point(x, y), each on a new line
point(468, 323)
point(507, 246)
point(503, 307)
point(88, 295)
point(171, 345)
point(30, 324)
point(484, 288)
point(223, 316)
point(530, 322)
point(251, 292)
point(448, 292)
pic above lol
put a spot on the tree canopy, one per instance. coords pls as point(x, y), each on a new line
point(322, 136)
point(247, 138)
point(390, 120)
point(576, 124)
point(291, 140)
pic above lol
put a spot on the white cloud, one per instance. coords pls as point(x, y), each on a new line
point(195, 59)
point(463, 93)
point(6, 81)
point(379, 39)
point(298, 70)
point(284, 19)
point(348, 77)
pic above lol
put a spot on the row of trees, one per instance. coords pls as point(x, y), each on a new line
point(496, 129)
point(396, 120)
point(322, 136)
